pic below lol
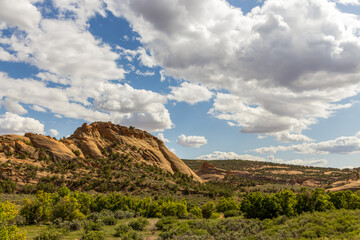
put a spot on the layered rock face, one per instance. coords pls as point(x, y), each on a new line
point(97, 140)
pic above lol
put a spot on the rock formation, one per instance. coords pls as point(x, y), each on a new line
point(97, 140)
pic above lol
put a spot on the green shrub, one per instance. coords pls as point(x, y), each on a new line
point(67, 209)
point(109, 220)
point(92, 226)
point(164, 221)
point(231, 213)
point(139, 224)
point(208, 209)
point(74, 225)
point(124, 214)
point(226, 204)
point(94, 235)
point(50, 234)
point(121, 230)
point(132, 235)
point(196, 211)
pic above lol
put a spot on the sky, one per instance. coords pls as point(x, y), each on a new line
point(271, 80)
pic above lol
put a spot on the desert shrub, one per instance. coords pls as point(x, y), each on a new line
point(132, 235)
point(8, 213)
point(92, 226)
point(11, 233)
point(231, 213)
point(139, 224)
point(124, 214)
point(67, 209)
point(178, 209)
point(177, 229)
point(121, 230)
point(109, 220)
point(226, 204)
point(196, 211)
point(38, 210)
point(208, 209)
point(64, 191)
point(50, 234)
point(94, 235)
point(164, 221)
point(74, 225)
point(7, 186)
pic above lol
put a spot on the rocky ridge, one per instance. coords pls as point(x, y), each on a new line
point(95, 141)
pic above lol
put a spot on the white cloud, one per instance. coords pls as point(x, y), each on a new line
point(11, 123)
point(54, 132)
point(172, 150)
point(19, 13)
point(13, 106)
point(140, 108)
point(146, 73)
point(191, 141)
point(162, 137)
point(190, 93)
point(66, 53)
point(286, 64)
point(340, 145)
point(348, 2)
point(38, 108)
point(81, 9)
point(217, 155)
point(301, 162)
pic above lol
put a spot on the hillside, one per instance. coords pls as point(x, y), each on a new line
point(242, 173)
point(100, 156)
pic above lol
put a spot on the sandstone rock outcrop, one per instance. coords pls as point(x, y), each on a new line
point(97, 140)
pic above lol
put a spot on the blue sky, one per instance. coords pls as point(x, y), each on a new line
point(272, 80)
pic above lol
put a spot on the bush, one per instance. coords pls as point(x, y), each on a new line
point(139, 224)
point(92, 226)
point(50, 234)
point(74, 225)
point(165, 221)
point(12, 233)
point(132, 235)
point(124, 214)
point(94, 235)
point(109, 220)
point(121, 230)
point(208, 209)
point(231, 213)
point(67, 209)
point(196, 211)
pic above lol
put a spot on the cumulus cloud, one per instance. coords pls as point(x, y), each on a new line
point(80, 64)
point(54, 132)
point(341, 145)
point(162, 137)
point(13, 106)
point(217, 155)
point(190, 93)
point(140, 108)
point(191, 141)
point(20, 13)
point(348, 2)
point(285, 64)
point(301, 162)
point(11, 123)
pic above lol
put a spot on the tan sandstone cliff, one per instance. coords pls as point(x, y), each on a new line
point(97, 140)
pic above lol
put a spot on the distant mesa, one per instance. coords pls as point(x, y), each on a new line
point(97, 140)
